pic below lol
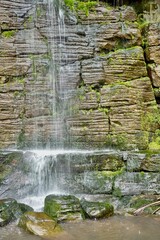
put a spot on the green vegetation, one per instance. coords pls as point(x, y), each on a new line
point(8, 34)
point(117, 192)
point(111, 174)
point(155, 143)
point(77, 5)
point(117, 140)
point(150, 126)
point(52, 208)
point(142, 23)
point(138, 202)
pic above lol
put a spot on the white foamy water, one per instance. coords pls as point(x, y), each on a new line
point(55, 152)
point(50, 172)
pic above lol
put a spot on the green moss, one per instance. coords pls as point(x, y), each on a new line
point(111, 174)
point(105, 110)
point(77, 5)
point(52, 208)
point(70, 4)
point(117, 140)
point(150, 124)
point(155, 145)
point(139, 202)
point(30, 19)
point(117, 192)
point(141, 22)
point(19, 80)
point(8, 34)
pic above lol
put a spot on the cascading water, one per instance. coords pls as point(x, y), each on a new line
point(48, 91)
point(58, 172)
point(48, 96)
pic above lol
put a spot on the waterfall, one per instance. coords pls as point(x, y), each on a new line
point(48, 96)
point(49, 100)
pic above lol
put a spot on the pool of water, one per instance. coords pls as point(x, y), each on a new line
point(114, 228)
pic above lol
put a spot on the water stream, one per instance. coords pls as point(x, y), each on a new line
point(115, 228)
point(49, 93)
point(51, 172)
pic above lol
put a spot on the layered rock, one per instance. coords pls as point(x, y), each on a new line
point(112, 177)
point(101, 59)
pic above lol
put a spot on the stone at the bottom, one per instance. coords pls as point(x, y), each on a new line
point(63, 207)
point(97, 209)
point(39, 224)
point(9, 211)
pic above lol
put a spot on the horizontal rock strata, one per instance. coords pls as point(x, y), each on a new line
point(102, 59)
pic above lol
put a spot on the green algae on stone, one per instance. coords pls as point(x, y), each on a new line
point(97, 209)
point(63, 207)
point(83, 6)
point(40, 224)
point(9, 211)
point(8, 34)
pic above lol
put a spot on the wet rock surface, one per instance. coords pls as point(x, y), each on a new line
point(39, 224)
point(11, 210)
point(100, 172)
point(63, 208)
point(97, 210)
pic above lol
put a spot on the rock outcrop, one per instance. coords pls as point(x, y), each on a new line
point(106, 56)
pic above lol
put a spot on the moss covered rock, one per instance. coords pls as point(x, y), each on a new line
point(40, 224)
point(9, 211)
point(97, 209)
point(63, 208)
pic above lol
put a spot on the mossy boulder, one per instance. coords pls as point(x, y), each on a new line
point(10, 210)
point(97, 209)
point(63, 208)
point(39, 224)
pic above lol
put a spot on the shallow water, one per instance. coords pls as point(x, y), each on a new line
point(114, 228)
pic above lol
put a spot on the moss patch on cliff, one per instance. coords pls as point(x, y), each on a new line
point(117, 141)
point(77, 5)
point(8, 34)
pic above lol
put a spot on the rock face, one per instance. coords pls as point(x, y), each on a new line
point(101, 57)
point(112, 177)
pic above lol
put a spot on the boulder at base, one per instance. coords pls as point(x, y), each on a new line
point(9, 211)
point(63, 207)
point(39, 224)
point(97, 209)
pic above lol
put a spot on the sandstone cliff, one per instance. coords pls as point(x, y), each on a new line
point(110, 56)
